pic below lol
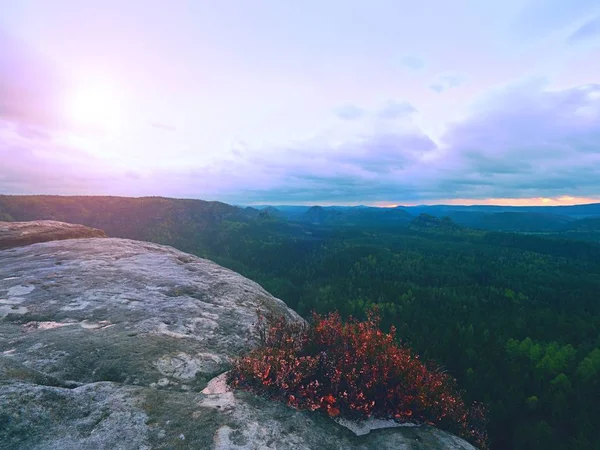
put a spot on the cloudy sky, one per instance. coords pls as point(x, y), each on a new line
point(319, 101)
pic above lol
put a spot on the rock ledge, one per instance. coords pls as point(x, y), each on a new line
point(18, 234)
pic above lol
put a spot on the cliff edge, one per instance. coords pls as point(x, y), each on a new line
point(109, 343)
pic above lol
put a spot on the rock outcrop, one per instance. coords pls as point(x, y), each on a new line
point(109, 343)
point(17, 234)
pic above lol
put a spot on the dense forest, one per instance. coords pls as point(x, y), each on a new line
point(513, 316)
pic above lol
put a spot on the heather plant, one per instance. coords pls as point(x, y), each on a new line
point(354, 370)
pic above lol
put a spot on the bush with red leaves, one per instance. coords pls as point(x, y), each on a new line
point(354, 370)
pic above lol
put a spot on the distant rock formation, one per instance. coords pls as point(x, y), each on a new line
point(429, 222)
point(17, 234)
point(109, 343)
point(358, 215)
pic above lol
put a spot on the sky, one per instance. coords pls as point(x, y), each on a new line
point(376, 102)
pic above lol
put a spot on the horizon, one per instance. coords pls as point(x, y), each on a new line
point(543, 202)
point(376, 103)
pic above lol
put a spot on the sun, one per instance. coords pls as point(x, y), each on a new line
point(95, 108)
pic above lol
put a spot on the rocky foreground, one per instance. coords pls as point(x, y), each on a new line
point(109, 344)
point(18, 234)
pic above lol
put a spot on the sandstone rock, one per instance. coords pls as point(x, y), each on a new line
point(17, 234)
point(111, 343)
point(133, 312)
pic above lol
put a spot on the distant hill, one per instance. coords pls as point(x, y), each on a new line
point(573, 211)
point(319, 215)
point(157, 219)
point(587, 224)
point(271, 211)
point(252, 212)
point(355, 216)
point(523, 221)
point(286, 211)
point(427, 222)
point(183, 218)
point(530, 219)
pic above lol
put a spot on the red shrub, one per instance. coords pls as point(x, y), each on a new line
point(355, 370)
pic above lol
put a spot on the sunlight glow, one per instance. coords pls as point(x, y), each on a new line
point(95, 108)
point(563, 200)
point(536, 201)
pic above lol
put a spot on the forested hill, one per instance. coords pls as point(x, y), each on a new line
point(155, 219)
point(575, 222)
point(570, 211)
point(355, 216)
point(513, 316)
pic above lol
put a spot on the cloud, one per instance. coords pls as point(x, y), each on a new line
point(390, 110)
point(445, 82)
point(396, 110)
point(363, 168)
point(542, 17)
point(350, 112)
point(31, 89)
point(523, 141)
point(31, 133)
point(412, 63)
point(520, 141)
point(529, 142)
point(163, 126)
point(589, 30)
point(42, 166)
point(387, 152)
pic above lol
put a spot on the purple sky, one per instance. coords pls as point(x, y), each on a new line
point(330, 102)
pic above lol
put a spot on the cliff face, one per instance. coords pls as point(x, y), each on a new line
point(109, 343)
